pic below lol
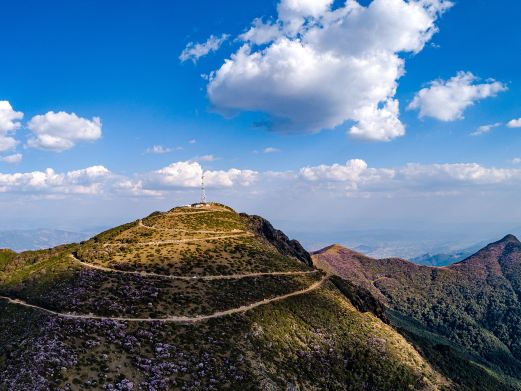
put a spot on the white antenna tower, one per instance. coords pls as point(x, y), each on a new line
point(203, 191)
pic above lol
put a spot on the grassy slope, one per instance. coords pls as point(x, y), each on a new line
point(315, 341)
point(464, 318)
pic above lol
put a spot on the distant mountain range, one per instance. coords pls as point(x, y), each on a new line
point(464, 318)
point(446, 259)
point(35, 239)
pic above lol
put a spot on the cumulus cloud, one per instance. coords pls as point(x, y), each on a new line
point(188, 175)
point(194, 51)
point(7, 143)
point(61, 131)
point(446, 100)
point(9, 123)
point(354, 178)
point(319, 67)
point(464, 173)
point(84, 181)
point(515, 123)
point(413, 177)
point(516, 160)
point(14, 158)
point(351, 175)
point(485, 129)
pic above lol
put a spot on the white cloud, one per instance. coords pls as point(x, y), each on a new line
point(15, 158)
point(261, 33)
point(158, 150)
point(9, 123)
point(7, 143)
point(322, 67)
point(446, 100)
point(192, 141)
point(516, 160)
point(463, 173)
point(485, 129)
point(194, 51)
point(354, 179)
point(61, 131)
point(85, 181)
point(9, 119)
point(378, 124)
point(289, 9)
point(188, 175)
point(350, 175)
point(515, 123)
point(270, 150)
point(127, 186)
point(412, 178)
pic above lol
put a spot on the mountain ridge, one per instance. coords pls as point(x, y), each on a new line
point(193, 298)
point(471, 307)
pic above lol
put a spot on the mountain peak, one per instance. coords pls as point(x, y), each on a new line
point(331, 249)
point(510, 239)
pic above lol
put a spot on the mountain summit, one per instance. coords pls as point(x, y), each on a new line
point(199, 297)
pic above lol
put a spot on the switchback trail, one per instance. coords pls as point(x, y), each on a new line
point(175, 241)
point(172, 319)
point(191, 278)
point(195, 212)
point(141, 225)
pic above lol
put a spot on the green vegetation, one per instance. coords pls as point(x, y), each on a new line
point(465, 319)
point(5, 257)
point(312, 341)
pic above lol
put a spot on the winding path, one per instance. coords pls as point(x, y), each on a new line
point(172, 319)
point(188, 278)
point(141, 225)
point(175, 241)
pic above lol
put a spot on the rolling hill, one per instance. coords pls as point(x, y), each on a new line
point(196, 298)
point(464, 318)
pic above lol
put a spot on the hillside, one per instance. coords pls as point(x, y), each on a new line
point(196, 298)
point(465, 318)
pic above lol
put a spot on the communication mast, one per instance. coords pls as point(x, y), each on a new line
point(203, 191)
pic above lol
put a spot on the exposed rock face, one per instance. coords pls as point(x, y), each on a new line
point(277, 238)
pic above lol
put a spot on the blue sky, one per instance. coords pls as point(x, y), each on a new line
point(120, 62)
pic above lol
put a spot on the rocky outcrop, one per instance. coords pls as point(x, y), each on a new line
point(277, 238)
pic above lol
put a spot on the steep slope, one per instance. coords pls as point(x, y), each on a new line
point(466, 318)
point(194, 298)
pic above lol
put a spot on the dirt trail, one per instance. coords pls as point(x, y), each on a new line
point(375, 281)
point(175, 241)
point(172, 319)
point(197, 212)
point(140, 224)
point(188, 278)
